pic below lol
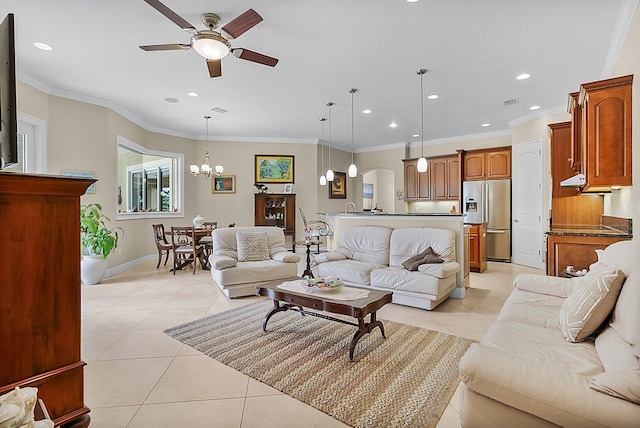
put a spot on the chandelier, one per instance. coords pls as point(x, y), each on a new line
point(205, 168)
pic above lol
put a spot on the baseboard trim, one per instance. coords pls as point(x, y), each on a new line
point(121, 268)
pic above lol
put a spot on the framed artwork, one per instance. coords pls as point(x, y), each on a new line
point(274, 168)
point(338, 187)
point(288, 188)
point(223, 184)
point(82, 174)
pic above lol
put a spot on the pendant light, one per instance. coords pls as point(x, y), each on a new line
point(422, 162)
point(323, 179)
point(353, 169)
point(329, 174)
point(205, 168)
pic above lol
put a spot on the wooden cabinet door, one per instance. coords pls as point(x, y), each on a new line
point(424, 185)
point(474, 248)
point(439, 179)
point(410, 180)
point(498, 164)
point(575, 153)
point(474, 166)
point(561, 159)
point(608, 139)
point(453, 178)
point(577, 251)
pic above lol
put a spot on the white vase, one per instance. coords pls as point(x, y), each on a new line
point(92, 269)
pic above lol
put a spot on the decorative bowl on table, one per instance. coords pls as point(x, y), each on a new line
point(330, 283)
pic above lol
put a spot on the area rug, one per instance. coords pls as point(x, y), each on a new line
point(405, 380)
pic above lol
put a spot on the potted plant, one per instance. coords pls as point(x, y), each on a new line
point(97, 242)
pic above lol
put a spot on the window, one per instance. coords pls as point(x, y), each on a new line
point(149, 182)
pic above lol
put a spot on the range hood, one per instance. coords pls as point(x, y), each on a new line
point(575, 181)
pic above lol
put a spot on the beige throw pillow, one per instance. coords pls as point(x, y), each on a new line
point(252, 246)
point(590, 303)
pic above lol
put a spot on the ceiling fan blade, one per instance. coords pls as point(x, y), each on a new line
point(171, 15)
point(255, 57)
point(215, 67)
point(243, 23)
point(167, 47)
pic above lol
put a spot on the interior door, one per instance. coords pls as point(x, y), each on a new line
point(527, 204)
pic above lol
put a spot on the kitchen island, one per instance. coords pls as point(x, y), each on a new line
point(454, 222)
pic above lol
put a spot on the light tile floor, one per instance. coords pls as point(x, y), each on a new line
point(136, 376)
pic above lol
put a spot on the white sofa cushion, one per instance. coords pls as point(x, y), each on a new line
point(542, 284)
point(406, 242)
point(248, 272)
point(221, 262)
point(398, 278)
point(440, 270)
point(349, 271)
point(590, 302)
point(369, 244)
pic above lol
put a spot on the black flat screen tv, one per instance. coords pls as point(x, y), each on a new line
point(8, 114)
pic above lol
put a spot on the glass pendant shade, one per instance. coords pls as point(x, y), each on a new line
point(323, 180)
point(353, 170)
point(422, 164)
point(329, 175)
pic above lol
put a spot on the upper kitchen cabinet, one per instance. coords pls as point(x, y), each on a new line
point(575, 155)
point(606, 133)
point(445, 177)
point(417, 185)
point(487, 164)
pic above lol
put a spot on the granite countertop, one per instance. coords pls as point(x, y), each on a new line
point(598, 231)
point(399, 214)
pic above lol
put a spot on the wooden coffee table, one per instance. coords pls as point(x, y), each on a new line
point(285, 300)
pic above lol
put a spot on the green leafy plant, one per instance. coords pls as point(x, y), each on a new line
point(95, 237)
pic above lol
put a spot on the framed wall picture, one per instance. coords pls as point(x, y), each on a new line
point(82, 174)
point(274, 168)
point(223, 184)
point(288, 188)
point(338, 187)
point(367, 190)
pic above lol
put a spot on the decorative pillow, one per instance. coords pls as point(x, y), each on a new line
point(590, 302)
point(427, 256)
point(252, 246)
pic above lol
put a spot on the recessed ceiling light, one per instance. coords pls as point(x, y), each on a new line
point(393, 125)
point(172, 100)
point(485, 125)
point(433, 97)
point(415, 135)
point(193, 94)
point(366, 111)
point(413, 1)
point(534, 107)
point(43, 46)
point(523, 76)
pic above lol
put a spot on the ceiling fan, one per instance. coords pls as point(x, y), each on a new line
point(211, 44)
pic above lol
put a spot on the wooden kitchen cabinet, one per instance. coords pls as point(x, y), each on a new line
point(487, 164)
point(277, 209)
point(417, 185)
point(576, 251)
point(575, 152)
point(606, 124)
point(568, 206)
point(445, 180)
point(478, 247)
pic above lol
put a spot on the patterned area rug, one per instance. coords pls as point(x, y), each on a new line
point(405, 380)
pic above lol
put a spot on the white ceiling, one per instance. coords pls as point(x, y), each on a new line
point(473, 50)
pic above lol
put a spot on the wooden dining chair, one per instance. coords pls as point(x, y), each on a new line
point(162, 244)
point(185, 248)
point(207, 241)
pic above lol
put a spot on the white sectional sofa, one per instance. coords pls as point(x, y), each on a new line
point(528, 372)
point(373, 256)
point(244, 257)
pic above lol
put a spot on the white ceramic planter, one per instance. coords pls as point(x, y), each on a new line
point(92, 269)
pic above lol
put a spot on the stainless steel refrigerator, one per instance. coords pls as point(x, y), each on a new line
point(490, 202)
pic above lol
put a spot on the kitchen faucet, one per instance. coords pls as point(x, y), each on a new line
point(346, 208)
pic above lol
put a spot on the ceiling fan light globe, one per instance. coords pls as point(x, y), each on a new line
point(422, 164)
point(210, 46)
